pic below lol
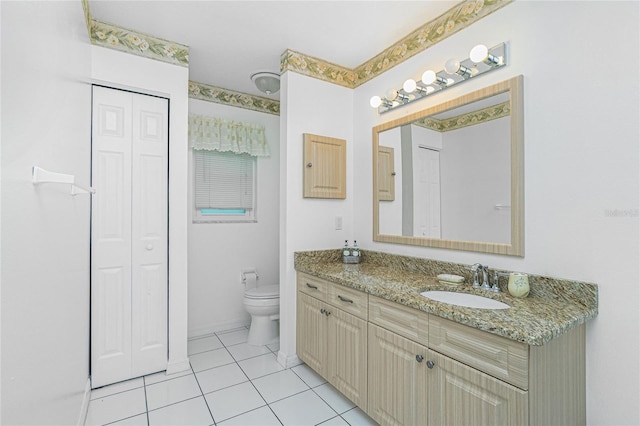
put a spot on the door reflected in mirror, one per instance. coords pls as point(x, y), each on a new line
point(451, 176)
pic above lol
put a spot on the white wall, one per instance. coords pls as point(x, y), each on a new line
point(123, 70)
point(475, 169)
point(46, 117)
point(309, 105)
point(218, 251)
point(581, 164)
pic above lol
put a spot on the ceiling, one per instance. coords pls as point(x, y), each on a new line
point(230, 40)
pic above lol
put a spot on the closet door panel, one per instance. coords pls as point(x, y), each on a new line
point(150, 232)
point(111, 237)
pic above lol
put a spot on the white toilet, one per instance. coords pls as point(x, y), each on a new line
point(262, 302)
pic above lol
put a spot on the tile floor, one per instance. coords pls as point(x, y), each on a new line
point(230, 383)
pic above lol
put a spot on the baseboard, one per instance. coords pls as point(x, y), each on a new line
point(178, 366)
point(221, 326)
point(288, 361)
point(84, 408)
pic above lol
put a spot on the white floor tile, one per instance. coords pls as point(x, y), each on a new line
point(336, 421)
point(305, 408)
point(279, 385)
point(308, 376)
point(203, 344)
point(260, 366)
point(245, 351)
point(117, 388)
point(234, 400)
point(274, 347)
point(116, 407)
point(193, 412)
point(334, 398)
point(172, 391)
point(162, 376)
point(210, 359)
point(220, 377)
point(357, 417)
point(140, 420)
point(234, 337)
point(260, 417)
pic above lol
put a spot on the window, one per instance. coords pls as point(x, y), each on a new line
point(225, 187)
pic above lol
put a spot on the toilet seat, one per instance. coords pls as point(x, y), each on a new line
point(263, 292)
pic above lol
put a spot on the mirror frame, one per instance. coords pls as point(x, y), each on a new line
point(516, 248)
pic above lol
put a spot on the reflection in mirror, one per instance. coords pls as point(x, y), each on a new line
point(451, 176)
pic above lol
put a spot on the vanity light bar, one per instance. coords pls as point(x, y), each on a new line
point(481, 61)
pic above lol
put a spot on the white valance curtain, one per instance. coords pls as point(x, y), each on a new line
point(216, 134)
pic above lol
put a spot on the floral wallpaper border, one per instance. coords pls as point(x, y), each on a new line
point(469, 119)
point(455, 19)
point(124, 40)
point(206, 92)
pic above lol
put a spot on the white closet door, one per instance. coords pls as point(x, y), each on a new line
point(427, 194)
point(128, 236)
point(149, 235)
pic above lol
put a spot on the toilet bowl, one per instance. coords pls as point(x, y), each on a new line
point(263, 304)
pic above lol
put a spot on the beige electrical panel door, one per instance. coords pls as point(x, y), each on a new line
point(386, 174)
point(325, 167)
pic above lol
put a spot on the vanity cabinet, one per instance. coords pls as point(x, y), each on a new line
point(331, 335)
point(426, 370)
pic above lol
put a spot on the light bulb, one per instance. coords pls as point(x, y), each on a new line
point(428, 77)
point(409, 85)
point(479, 53)
point(375, 101)
point(452, 66)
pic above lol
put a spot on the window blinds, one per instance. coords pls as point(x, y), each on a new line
point(224, 180)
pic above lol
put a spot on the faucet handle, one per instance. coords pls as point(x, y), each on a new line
point(474, 268)
point(496, 278)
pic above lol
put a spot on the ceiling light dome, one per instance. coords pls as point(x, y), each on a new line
point(266, 82)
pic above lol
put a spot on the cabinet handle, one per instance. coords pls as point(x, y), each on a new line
point(315, 287)
point(327, 313)
point(344, 299)
point(431, 364)
point(323, 311)
point(393, 174)
point(309, 164)
point(419, 358)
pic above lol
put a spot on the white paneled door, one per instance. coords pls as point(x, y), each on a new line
point(129, 224)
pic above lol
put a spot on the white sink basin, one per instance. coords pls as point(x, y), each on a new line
point(464, 299)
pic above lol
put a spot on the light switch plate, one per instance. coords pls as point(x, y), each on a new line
point(338, 222)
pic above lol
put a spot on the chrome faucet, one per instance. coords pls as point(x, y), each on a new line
point(485, 278)
point(496, 278)
point(474, 268)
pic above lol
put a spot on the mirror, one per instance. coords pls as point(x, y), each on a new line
point(451, 176)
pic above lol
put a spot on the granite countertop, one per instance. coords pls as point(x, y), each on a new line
point(553, 306)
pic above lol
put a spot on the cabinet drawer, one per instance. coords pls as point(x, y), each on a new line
point(497, 356)
point(349, 300)
point(407, 322)
point(312, 286)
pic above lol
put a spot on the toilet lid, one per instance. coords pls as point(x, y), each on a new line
point(263, 292)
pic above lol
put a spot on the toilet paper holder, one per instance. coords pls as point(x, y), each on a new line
point(244, 272)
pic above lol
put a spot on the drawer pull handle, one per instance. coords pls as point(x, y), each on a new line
point(315, 287)
point(323, 311)
point(431, 364)
point(419, 358)
point(344, 299)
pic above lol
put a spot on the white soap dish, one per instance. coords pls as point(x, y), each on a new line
point(450, 279)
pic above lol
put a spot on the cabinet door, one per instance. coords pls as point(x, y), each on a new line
point(386, 174)
point(397, 379)
point(325, 167)
point(311, 333)
point(461, 395)
point(347, 358)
